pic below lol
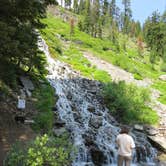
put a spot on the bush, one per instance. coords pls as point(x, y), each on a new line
point(138, 76)
point(163, 67)
point(45, 101)
point(127, 103)
point(8, 74)
point(42, 151)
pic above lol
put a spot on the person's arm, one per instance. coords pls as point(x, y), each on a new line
point(132, 143)
point(117, 141)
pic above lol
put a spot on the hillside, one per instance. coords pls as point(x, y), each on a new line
point(88, 80)
point(74, 50)
point(62, 45)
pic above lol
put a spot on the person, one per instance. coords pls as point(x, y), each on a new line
point(125, 146)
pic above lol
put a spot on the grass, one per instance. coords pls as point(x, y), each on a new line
point(161, 86)
point(103, 48)
point(45, 100)
point(70, 48)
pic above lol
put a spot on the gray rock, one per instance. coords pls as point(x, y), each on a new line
point(151, 131)
point(96, 121)
point(138, 127)
point(159, 142)
point(163, 77)
point(58, 132)
point(27, 83)
point(22, 94)
point(29, 94)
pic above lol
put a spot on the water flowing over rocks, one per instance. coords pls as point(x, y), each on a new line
point(93, 130)
point(118, 74)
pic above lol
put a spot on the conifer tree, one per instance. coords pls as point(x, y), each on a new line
point(75, 6)
point(127, 14)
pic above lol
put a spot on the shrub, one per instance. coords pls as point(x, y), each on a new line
point(42, 151)
point(163, 67)
point(45, 101)
point(127, 103)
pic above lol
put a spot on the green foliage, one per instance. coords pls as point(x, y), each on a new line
point(78, 62)
point(42, 151)
point(127, 103)
point(44, 103)
point(163, 67)
point(4, 90)
point(8, 74)
point(161, 86)
point(155, 35)
point(102, 48)
point(19, 50)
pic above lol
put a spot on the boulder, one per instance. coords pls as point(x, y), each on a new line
point(27, 83)
point(138, 127)
point(151, 131)
point(163, 77)
point(159, 142)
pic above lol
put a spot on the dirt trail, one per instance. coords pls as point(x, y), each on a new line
point(116, 73)
point(10, 132)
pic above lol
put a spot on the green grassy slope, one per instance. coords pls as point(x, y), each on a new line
point(57, 33)
point(69, 48)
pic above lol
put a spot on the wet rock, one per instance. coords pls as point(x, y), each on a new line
point(96, 121)
point(91, 108)
point(59, 124)
point(159, 142)
point(97, 156)
point(141, 153)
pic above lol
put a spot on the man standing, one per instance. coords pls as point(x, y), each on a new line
point(125, 146)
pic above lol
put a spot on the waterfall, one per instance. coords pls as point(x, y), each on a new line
point(92, 129)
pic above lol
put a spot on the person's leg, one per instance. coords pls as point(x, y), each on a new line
point(120, 160)
point(128, 161)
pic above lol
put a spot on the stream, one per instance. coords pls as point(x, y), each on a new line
point(93, 131)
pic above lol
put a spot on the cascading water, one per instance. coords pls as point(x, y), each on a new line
point(93, 130)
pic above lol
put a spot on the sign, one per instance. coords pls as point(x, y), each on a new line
point(21, 104)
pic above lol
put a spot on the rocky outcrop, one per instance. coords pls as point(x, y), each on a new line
point(159, 142)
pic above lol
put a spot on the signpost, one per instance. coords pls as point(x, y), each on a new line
point(21, 103)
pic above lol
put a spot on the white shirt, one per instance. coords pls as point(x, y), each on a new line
point(125, 144)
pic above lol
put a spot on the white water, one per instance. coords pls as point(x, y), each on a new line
point(86, 118)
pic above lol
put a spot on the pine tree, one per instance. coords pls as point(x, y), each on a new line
point(112, 9)
point(75, 6)
point(127, 14)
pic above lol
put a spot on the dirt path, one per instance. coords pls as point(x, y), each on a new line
point(10, 132)
point(116, 73)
